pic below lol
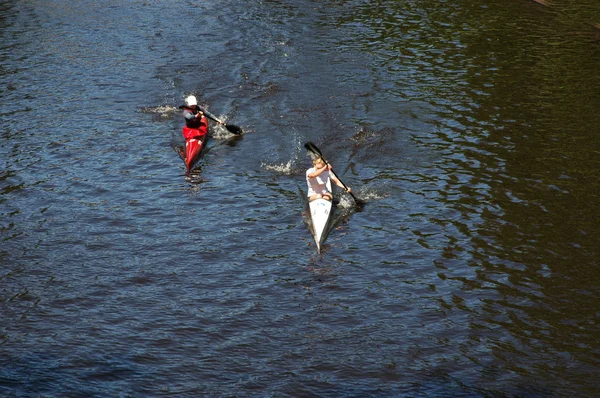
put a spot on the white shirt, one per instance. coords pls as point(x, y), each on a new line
point(320, 184)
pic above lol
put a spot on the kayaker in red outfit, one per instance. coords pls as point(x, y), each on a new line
point(195, 126)
point(195, 130)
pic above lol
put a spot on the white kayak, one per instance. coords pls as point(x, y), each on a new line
point(321, 215)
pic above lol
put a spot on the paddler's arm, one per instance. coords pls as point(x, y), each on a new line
point(189, 113)
point(339, 183)
point(317, 172)
point(210, 115)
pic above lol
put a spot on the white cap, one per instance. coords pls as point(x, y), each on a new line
point(191, 100)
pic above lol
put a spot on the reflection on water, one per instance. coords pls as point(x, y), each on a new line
point(469, 130)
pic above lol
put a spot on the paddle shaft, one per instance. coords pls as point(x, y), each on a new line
point(342, 182)
point(210, 116)
point(231, 127)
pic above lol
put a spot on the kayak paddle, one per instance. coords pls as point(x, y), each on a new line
point(232, 128)
point(315, 150)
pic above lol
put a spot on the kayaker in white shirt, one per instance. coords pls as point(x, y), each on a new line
point(318, 180)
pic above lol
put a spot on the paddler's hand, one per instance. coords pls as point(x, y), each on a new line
point(348, 189)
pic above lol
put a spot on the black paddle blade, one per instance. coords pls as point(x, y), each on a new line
point(234, 129)
point(359, 203)
point(313, 148)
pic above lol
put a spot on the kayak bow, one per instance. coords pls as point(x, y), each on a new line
point(321, 214)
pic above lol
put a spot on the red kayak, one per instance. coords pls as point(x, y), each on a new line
point(194, 142)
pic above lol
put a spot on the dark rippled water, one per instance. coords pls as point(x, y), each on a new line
point(469, 127)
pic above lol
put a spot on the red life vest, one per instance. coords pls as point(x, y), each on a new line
point(193, 123)
point(196, 132)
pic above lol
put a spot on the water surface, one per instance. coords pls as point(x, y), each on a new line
point(470, 129)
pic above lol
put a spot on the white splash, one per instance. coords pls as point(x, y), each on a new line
point(285, 168)
point(162, 111)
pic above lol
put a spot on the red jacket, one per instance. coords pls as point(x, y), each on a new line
point(196, 125)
